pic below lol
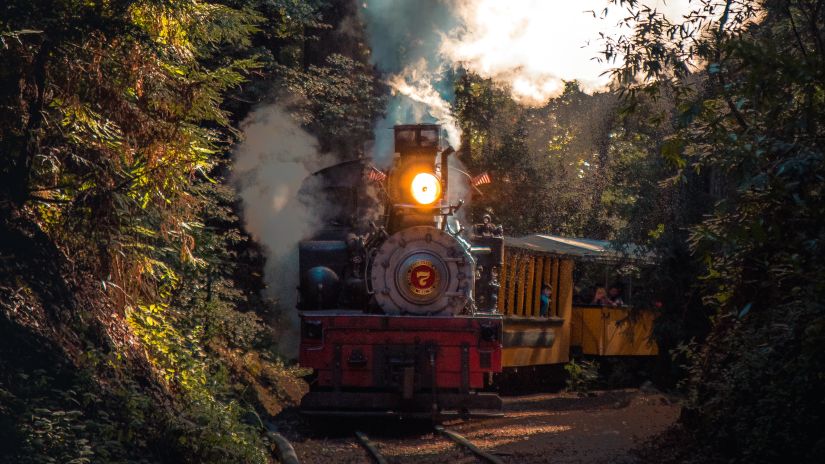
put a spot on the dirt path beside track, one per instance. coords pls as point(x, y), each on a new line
point(559, 428)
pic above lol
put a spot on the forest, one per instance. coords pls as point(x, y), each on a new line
point(142, 319)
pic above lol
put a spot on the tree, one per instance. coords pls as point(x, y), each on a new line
point(111, 136)
point(746, 78)
point(550, 164)
point(115, 116)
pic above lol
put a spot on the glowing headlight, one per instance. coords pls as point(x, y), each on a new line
point(426, 188)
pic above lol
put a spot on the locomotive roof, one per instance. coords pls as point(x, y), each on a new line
point(343, 174)
point(578, 248)
point(416, 126)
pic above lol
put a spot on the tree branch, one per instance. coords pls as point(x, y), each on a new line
point(720, 74)
point(59, 201)
point(795, 31)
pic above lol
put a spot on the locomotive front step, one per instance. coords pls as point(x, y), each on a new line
point(361, 403)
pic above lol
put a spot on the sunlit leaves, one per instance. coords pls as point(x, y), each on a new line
point(118, 112)
point(550, 162)
point(175, 354)
point(131, 123)
point(748, 130)
point(671, 150)
point(134, 119)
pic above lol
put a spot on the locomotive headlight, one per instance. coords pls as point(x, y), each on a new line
point(426, 188)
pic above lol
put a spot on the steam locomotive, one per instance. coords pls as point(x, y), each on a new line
point(397, 302)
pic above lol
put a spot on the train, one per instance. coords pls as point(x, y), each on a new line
point(404, 312)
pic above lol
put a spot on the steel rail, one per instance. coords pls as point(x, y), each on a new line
point(370, 446)
point(455, 437)
point(469, 445)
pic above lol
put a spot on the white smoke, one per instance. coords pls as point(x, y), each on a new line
point(404, 39)
point(270, 164)
point(533, 46)
point(415, 83)
point(530, 46)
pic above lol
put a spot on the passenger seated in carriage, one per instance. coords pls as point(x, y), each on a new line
point(600, 297)
point(544, 309)
point(614, 296)
point(611, 297)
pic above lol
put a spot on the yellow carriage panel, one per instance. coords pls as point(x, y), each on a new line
point(539, 282)
point(532, 341)
point(604, 331)
point(628, 334)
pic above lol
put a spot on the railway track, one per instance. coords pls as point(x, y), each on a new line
point(451, 435)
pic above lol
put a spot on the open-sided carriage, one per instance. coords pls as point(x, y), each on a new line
point(572, 325)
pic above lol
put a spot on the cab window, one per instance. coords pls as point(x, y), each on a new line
point(429, 138)
point(405, 139)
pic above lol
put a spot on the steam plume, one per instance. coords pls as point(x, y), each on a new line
point(530, 46)
point(404, 41)
point(419, 89)
point(270, 165)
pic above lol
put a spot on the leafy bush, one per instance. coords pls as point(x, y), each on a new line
point(582, 376)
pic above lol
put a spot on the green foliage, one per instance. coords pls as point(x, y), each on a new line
point(115, 120)
point(747, 148)
point(66, 417)
point(55, 435)
point(242, 329)
point(341, 100)
point(113, 158)
point(550, 165)
point(53, 413)
point(212, 431)
point(175, 355)
point(582, 376)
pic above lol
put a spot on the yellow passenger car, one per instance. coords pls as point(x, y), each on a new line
point(532, 339)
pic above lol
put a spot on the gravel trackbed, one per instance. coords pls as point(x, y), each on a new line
point(557, 428)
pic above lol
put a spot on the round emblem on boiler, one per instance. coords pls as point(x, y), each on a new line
point(422, 277)
point(417, 271)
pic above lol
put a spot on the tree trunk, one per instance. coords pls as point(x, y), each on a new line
point(16, 184)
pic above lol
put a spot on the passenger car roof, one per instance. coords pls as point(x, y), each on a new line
point(578, 248)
